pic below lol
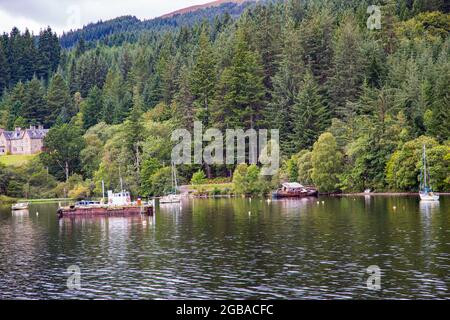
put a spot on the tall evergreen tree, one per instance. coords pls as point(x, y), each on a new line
point(4, 68)
point(59, 101)
point(92, 108)
point(239, 100)
point(348, 67)
point(184, 101)
point(111, 96)
point(203, 78)
point(286, 85)
point(317, 36)
point(27, 56)
point(440, 123)
point(310, 115)
point(34, 108)
point(49, 53)
point(92, 69)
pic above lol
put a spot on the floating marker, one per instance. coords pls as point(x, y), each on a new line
point(37, 213)
point(394, 207)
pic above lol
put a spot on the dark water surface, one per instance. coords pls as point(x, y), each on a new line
point(214, 249)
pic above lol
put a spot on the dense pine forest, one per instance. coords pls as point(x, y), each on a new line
point(354, 106)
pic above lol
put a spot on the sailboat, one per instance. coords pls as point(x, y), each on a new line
point(172, 197)
point(426, 192)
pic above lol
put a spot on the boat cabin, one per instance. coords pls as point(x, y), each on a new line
point(292, 187)
point(87, 203)
point(122, 198)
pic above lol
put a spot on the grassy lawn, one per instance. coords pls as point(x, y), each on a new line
point(16, 160)
point(6, 200)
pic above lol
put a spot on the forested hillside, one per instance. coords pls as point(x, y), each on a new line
point(130, 28)
point(354, 106)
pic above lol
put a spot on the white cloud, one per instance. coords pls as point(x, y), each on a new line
point(64, 15)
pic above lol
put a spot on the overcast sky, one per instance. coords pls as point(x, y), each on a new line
point(63, 15)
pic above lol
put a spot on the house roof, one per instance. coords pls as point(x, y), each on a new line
point(37, 133)
point(293, 185)
point(19, 134)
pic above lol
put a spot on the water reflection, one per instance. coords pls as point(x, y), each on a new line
point(429, 207)
point(232, 248)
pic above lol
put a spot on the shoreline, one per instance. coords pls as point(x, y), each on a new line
point(383, 194)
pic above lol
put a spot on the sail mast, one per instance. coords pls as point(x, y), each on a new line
point(425, 166)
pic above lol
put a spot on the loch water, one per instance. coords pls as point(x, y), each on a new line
point(232, 249)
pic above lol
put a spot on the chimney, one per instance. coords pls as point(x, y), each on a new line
point(17, 129)
point(32, 127)
point(40, 127)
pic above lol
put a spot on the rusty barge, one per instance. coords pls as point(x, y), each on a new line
point(119, 204)
point(295, 190)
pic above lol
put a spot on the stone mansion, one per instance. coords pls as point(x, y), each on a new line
point(22, 141)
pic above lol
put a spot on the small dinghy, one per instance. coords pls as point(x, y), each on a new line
point(20, 206)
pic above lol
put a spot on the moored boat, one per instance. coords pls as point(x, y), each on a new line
point(426, 191)
point(295, 190)
point(20, 206)
point(119, 204)
point(172, 197)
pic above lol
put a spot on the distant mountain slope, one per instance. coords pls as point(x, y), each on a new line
point(201, 6)
point(129, 24)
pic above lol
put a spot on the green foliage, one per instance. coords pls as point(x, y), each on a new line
point(160, 182)
point(63, 145)
point(301, 67)
point(305, 167)
point(403, 169)
point(198, 178)
point(92, 107)
point(247, 180)
point(149, 168)
point(34, 107)
point(59, 101)
point(310, 115)
point(203, 78)
point(240, 93)
point(326, 163)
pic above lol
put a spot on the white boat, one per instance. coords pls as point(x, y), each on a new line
point(426, 192)
point(20, 206)
point(172, 197)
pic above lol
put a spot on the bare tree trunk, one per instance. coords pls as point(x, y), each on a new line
point(67, 171)
point(208, 171)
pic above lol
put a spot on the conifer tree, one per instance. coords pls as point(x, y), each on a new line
point(184, 101)
point(203, 78)
point(4, 68)
point(92, 108)
point(59, 101)
point(34, 108)
point(310, 115)
point(440, 123)
point(348, 67)
point(286, 85)
point(111, 96)
point(239, 102)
